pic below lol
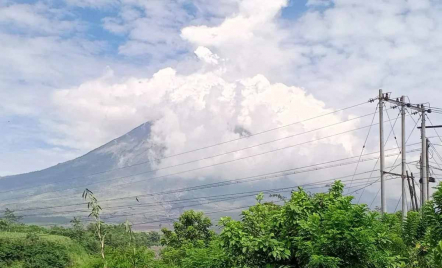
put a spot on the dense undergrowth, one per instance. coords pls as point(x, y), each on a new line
point(324, 230)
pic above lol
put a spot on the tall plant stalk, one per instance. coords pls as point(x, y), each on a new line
point(95, 208)
point(128, 227)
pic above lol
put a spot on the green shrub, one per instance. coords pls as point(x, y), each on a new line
point(321, 230)
point(33, 253)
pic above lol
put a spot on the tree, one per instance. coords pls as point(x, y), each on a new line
point(190, 239)
point(77, 224)
point(10, 217)
point(192, 227)
point(77, 230)
point(153, 238)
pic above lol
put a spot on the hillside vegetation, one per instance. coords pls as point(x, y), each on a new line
point(31, 250)
point(324, 230)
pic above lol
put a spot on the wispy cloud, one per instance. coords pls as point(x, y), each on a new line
point(251, 69)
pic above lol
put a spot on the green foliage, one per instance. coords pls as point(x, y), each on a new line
point(192, 244)
point(9, 220)
point(437, 255)
point(31, 251)
point(412, 228)
point(192, 227)
point(10, 217)
point(95, 208)
point(322, 230)
point(194, 255)
point(211, 256)
point(126, 257)
point(432, 218)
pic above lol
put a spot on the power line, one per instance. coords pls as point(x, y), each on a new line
point(221, 154)
point(315, 183)
point(380, 187)
point(416, 122)
point(367, 185)
point(212, 201)
point(375, 197)
point(435, 130)
point(156, 221)
point(287, 172)
point(202, 204)
point(365, 142)
point(400, 198)
point(392, 127)
point(206, 213)
point(205, 147)
point(185, 200)
point(388, 138)
point(437, 154)
point(190, 170)
point(392, 130)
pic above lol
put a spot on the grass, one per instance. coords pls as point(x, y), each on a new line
point(78, 256)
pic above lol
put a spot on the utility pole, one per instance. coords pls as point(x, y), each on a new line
point(421, 182)
point(404, 161)
point(411, 193)
point(382, 155)
point(428, 168)
point(424, 158)
point(424, 170)
point(414, 191)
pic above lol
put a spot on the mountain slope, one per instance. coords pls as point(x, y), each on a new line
point(125, 150)
point(63, 184)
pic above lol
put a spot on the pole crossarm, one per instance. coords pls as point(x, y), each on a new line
point(408, 105)
point(394, 174)
point(439, 126)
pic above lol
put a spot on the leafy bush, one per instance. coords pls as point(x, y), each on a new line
point(323, 230)
point(33, 253)
point(192, 227)
point(126, 257)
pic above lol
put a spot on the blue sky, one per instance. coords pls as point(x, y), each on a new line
point(78, 73)
point(88, 22)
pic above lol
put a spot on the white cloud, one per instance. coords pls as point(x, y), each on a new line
point(152, 28)
point(36, 19)
point(250, 40)
point(93, 3)
point(394, 41)
point(43, 49)
point(338, 51)
point(205, 54)
point(202, 108)
point(341, 53)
